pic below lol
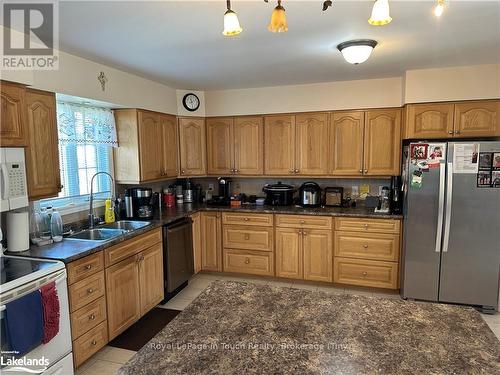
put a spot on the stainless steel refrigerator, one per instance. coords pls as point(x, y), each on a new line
point(451, 243)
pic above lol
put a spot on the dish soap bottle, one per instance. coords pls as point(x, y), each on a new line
point(56, 226)
point(109, 212)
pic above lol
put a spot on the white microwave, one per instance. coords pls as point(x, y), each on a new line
point(13, 187)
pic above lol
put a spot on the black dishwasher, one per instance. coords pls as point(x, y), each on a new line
point(178, 264)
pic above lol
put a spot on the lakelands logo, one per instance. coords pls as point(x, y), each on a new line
point(30, 35)
point(24, 365)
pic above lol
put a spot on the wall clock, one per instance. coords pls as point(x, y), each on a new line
point(191, 102)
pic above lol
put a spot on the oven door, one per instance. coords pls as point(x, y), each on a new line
point(56, 349)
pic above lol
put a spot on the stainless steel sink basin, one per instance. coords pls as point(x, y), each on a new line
point(126, 225)
point(97, 234)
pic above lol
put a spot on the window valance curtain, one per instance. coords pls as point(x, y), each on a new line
point(79, 124)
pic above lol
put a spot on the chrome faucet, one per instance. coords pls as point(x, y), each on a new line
point(91, 208)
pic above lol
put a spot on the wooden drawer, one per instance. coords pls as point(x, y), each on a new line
point(250, 238)
point(90, 343)
point(263, 220)
point(376, 246)
point(123, 250)
point(88, 317)
point(304, 221)
point(371, 273)
point(81, 268)
point(246, 261)
point(368, 225)
point(85, 291)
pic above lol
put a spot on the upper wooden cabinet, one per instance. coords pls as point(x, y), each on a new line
point(192, 146)
point(42, 153)
point(311, 140)
point(382, 142)
point(147, 146)
point(279, 145)
point(220, 144)
point(13, 132)
point(453, 120)
point(346, 143)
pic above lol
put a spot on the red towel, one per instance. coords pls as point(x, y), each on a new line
point(51, 311)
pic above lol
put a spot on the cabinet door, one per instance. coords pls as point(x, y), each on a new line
point(312, 144)
point(434, 120)
point(220, 146)
point(248, 146)
point(279, 145)
point(477, 119)
point(211, 255)
point(13, 131)
point(170, 150)
point(42, 153)
point(151, 277)
point(122, 294)
point(346, 143)
point(382, 142)
point(318, 255)
point(192, 146)
point(197, 241)
point(289, 253)
point(150, 145)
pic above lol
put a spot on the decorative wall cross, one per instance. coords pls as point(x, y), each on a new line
point(102, 79)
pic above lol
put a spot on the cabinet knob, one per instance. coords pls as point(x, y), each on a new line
point(300, 232)
point(366, 226)
point(88, 266)
point(236, 171)
point(360, 171)
point(90, 291)
point(183, 171)
point(246, 219)
point(366, 170)
point(365, 246)
point(94, 342)
point(92, 317)
point(304, 233)
point(296, 171)
point(457, 132)
point(365, 273)
point(247, 236)
point(302, 222)
point(450, 132)
point(292, 171)
point(247, 260)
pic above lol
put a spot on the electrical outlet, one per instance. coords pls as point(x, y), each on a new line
point(210, 186)
point(354, 190)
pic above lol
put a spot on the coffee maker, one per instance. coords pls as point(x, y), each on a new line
point(138, 203)
point(396, 195)
point(224, 196)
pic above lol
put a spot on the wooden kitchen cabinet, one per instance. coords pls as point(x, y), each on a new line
point(382, 142)
point(248, 135)
point(289, 253)
point(311, 144)
point(346, 143)
point(13, 132)
point(42, 151)
point(192, 146)
point(429, 120)
point(211, 247)
point(279, 145)
point(147, 146)
point(477, 119)
point(220, 153)
point(318, 255)
point(151, 277)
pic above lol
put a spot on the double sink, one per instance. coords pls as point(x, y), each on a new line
point(107, 232)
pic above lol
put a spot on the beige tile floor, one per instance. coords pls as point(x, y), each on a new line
point(109, 359)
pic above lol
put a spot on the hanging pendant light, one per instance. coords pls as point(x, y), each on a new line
point(278, 20)
point(231, 23)
point(380, 13)
point(357, 51)
point(439, 8)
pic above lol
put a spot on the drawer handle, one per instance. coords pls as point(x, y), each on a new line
point(92, 317)
point(247, 260)
point(366, 226)
point(88, 266)
point(246, 219)
point(302, 222)
point(365, 273)
point(365, 246)
point(247, 236)
point(90, 291)
point(94, 342)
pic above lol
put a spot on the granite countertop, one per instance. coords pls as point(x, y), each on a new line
point(240, 328)
point(71, 250)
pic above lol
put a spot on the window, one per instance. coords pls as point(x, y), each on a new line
point(86, 137)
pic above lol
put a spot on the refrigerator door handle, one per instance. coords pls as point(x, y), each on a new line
point(439, 231)
point(449, 191)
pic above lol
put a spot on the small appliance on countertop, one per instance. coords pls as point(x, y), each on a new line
point(224, 197)
point(14, 192)
point(396, 195)
point(334, 196)
point(138, 202)
point(310, 194)
point(279, 194)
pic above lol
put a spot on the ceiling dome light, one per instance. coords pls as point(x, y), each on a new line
point(278, 20)
point(231, 24)
point(439, 8)
point(357, 51)
point(380, 13)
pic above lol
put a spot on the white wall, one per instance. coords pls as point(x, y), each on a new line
point(455, 83)
point(181, 111)
point(386, 92)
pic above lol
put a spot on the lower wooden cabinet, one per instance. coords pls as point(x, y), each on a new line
point(289, 253)
point(211, 244)
point(196, 241)
point(370, 273)
point(151, 277)
point(89, 343)
point(248, 261)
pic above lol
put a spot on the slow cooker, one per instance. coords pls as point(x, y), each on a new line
point(279, 194)
point(310, 194)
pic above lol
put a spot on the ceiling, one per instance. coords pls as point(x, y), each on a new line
point(181, 44)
